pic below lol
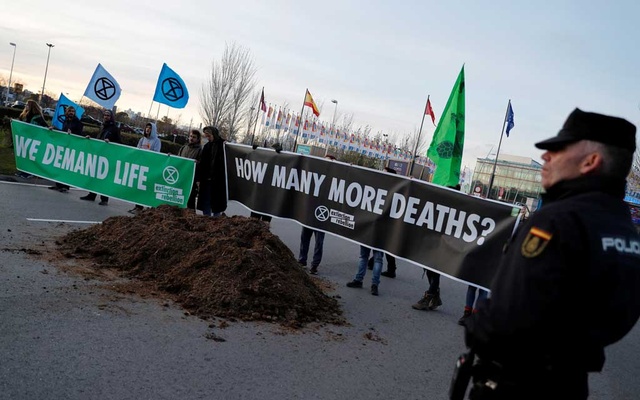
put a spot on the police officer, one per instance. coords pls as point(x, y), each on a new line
point(537, 337)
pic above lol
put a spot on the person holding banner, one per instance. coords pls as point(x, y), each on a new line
point(431, 299)
point(192, 150)
point(148, 141)
point(305, 241)
point(362, 269)
point(31, 114)
point(212, 199)
point(536, 338)
point(471, 300)
point(109, 133)
point(72, 126)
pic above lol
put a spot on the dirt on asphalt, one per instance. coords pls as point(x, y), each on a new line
point(228, 267)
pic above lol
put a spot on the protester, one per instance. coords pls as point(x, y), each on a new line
point(362, 270)
point(431, 299)
point(31, 114)
point(534, 338)
point(108, 133)
point(72, 126)
point(305, 241)
point(212, 199)
point(391, 260)
point(471, 301)
point(148, 141)
point(192, 150)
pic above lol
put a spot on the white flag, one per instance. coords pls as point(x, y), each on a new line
point(103, 88)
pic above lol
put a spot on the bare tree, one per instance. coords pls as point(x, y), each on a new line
point(225, 95)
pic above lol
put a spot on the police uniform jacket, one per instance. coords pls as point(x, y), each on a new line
point(567, 285)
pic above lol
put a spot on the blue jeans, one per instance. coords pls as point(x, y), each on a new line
point(471, 296)
point(305, 240)
point(362, 265)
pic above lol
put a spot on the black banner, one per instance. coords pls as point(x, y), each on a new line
point(436, 227)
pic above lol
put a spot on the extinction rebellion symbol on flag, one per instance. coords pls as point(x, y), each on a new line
point(172, 89)
point(61, 115)
point(104, 88)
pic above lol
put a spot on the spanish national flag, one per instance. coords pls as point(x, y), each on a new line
point(308, 101)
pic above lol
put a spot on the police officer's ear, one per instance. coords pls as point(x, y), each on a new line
point(591, 162)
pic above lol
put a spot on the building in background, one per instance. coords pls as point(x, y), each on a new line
point(517, 180)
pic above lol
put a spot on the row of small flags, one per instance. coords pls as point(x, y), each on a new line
point(105, 90)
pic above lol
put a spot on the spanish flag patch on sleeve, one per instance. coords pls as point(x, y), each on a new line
point(535, 242)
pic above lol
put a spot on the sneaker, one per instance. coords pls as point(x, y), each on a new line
point(423, 303)
point(388, 274)
point(354, 284)
point(88, 198)
point(62, 190)
point(303, 264)
point(435, 301)
point(104, 203)
point(463, 319)
point(374, 290)
point(314, 270)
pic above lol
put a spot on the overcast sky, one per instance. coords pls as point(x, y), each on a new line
point(379, 59)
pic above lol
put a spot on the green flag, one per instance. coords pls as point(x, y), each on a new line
point(448, 139)
point(110, 169)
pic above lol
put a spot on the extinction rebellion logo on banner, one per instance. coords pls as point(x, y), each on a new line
point(169, 194)
point(343, 219)
point(337, 217)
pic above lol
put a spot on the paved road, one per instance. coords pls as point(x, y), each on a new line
point(64, 337)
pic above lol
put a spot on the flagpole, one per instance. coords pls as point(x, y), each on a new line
point(415, 148)
point(158, 113)
point(253, 136)
point(295, 143)
point(150, 107)
point(495, 162)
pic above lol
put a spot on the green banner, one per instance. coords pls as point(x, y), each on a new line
point(110, 169)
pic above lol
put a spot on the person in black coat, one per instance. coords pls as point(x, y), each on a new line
point(109, 133)
point(536, 337)
point(211, 174)
point(73, 126)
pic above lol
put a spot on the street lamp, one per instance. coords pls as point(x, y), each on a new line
point(333, 124)
point(11, 73)
point(45, 72)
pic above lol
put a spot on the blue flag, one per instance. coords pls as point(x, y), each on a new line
point(171, 89)
point(510, 123)
point(103, 88)
point(61, 107)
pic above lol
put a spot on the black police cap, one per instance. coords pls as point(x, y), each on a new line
point(581, 125)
